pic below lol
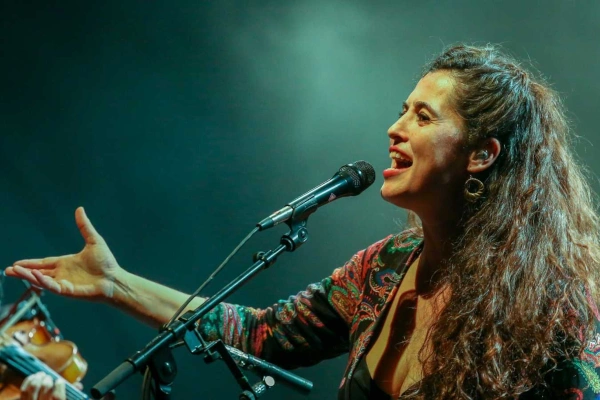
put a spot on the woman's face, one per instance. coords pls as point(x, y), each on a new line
point(428, 167)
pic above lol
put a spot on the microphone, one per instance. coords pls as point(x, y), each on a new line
point(350, 180)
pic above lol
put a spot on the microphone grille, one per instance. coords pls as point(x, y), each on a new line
point(367, 172)
point(362, 174)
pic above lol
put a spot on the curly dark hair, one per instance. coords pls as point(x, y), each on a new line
point(522, 277)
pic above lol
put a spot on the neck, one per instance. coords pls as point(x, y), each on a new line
point(439, 236)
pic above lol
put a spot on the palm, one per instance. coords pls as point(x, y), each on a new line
point(87, 274)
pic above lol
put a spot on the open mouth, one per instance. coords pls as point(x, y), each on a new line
point(399, 162)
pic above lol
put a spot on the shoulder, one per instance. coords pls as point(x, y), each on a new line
point(406, 241)
point(403, 243)
point(391, 252)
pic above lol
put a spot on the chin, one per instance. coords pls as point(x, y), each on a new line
point(395, 196)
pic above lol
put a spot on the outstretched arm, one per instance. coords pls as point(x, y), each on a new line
point(94, 274)
point(148, 301)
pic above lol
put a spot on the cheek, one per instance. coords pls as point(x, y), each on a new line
point(442, 156)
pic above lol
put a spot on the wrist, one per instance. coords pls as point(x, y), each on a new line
point(118, 291)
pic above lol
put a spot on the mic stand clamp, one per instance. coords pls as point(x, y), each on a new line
point(163, 369)
point(214, 351)
point(297, 236)
point(250, 392)
point(258, 389)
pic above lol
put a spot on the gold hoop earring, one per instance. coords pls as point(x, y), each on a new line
point(473, 189)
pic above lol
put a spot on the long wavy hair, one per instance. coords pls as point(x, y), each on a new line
point(522, 277)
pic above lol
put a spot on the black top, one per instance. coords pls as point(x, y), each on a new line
point(362, 387)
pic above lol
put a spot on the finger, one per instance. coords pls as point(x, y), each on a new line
point(9, 271)
point(26, 388)
point(31, 386)
point(23, 273)
point(38, 263)
point(89, 233)
point(45, 281)
point(59, 391)
point(46, 387)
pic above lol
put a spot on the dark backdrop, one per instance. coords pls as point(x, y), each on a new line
point(179, 125)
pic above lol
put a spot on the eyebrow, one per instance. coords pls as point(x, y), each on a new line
point(425, 105)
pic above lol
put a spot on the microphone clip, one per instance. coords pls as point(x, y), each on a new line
point(297, 236)
point(217, 350)
point(236, 359)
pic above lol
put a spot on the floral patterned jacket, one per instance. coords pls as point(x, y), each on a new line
point(340, 314)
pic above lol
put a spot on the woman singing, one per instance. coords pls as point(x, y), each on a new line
point(491, 292)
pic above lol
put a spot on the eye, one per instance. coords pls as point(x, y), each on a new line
point(401, 113)
point(423, 117)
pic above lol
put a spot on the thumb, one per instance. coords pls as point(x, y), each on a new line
point(86, 228)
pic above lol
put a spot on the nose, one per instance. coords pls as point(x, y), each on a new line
point(397, 132)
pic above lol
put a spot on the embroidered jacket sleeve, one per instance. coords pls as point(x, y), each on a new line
point(302, 330)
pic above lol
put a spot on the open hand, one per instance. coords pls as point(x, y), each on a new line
point(88, 274)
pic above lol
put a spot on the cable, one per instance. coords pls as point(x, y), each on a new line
point(147, 385)
point(147, 381)
point(210, 278)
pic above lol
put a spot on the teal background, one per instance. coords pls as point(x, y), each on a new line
point(179, 125)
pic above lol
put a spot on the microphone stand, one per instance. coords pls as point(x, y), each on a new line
point(157, 353)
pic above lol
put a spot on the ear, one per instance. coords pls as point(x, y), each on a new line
point(484, 156)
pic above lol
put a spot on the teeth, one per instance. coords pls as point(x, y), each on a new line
point(394, 155)
point(399, 161)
